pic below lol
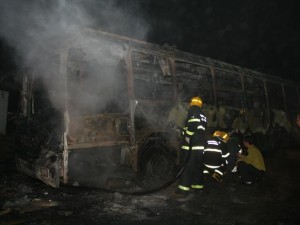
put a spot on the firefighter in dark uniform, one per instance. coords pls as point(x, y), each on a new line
point(215, 155)
point(194, 141)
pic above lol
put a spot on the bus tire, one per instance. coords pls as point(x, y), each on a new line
point(156, 162)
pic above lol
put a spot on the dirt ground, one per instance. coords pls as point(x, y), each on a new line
point(275, 200)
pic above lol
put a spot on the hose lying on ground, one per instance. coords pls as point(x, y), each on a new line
point(155, 189)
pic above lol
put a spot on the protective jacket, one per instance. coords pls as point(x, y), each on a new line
point(194, 130)
point(215, 155)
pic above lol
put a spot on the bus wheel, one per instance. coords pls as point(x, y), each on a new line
point(157, 163)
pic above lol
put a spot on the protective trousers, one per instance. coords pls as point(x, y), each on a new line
point(192, 175)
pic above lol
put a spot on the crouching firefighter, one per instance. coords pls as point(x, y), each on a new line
point(215, 155)
point(193, 143)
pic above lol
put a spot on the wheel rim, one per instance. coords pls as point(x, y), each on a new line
point(157, 165)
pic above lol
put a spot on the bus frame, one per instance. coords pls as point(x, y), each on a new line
point(133, 128)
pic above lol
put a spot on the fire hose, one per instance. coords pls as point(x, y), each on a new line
point(161, 187)
point(165, 185)
point(155, 189)
point(168, 183)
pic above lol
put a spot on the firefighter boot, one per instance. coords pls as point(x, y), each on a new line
point(181, 195)
point(197, 189)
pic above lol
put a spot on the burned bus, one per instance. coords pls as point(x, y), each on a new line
point(104, 104)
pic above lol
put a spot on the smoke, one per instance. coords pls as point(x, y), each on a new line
point(41, 29)
point(38, 29)
point(35, 27)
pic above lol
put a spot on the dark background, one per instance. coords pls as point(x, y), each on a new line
point(261, 35)
point(256, 34)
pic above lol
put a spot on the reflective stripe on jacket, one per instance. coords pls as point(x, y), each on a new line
point(215, 153)
point(195, 126)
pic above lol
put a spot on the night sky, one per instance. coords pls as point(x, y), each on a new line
point(256, 34)
point(261, 35)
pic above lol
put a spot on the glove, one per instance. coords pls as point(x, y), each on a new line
point(217, 177)
point(234, 170)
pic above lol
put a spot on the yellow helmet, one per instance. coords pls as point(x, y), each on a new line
point(222, 135)
point(196, 101)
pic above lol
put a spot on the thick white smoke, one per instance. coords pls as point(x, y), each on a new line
point(37, 28)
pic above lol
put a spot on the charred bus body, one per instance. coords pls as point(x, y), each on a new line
point(107, 100)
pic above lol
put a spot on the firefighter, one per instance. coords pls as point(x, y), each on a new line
point(215, 155)
point(193, 142)
point(250, 165)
